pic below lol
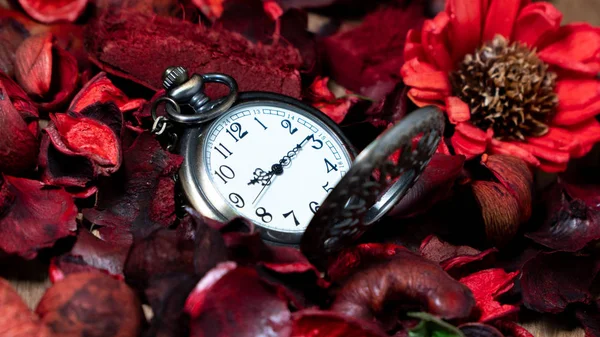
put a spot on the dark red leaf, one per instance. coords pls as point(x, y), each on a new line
point(159, 42)
point(316, 323)
point(512, 329)
point(573, 219)
point(233, 301)
point(479, 330)
point(433, 185)
point(127, 201)
point(101, 89)
point(589, 317)
point(49, 11)
point(16, 319)
point(90, 304)
point(373, 292)
point(487, 285)
point(361, 256)
point(451, 257)
point(47, 72)
point(361, 62)
point(88, 253)
point(33, 216)
point(18, 145)
point(551, 281)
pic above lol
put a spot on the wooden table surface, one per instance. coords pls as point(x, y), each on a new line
point(31, 285)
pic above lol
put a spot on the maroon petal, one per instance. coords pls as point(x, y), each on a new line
point(551, 281)
point(362, 63)
point(316, 323)
point(233, 301)
point(433, 185)
point(573, 219)
point(13, 30)
point(50, 11)
point(451, 257)
point(32, 216)
point(127, 202)
point(101, 89)
point(21, 102)
point(18, 145)
point(371, 292)
point(158, 43)
point(351, 260)
point(90, 304)
point(487, 286)
point(512, 329)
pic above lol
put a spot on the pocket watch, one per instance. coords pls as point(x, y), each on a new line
point(286, 166)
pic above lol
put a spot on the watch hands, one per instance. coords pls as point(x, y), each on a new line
point(265, 184)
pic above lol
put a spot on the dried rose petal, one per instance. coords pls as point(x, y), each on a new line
point(16, 319)
point(50, 11)
point(127, 201)
point(88, 304)
point(512, 329)
point(487, 285)
point(361, 62)
point(323, 99)
point(21, 102)
point(158, 43)
point(433, 185)
point(233, 301)
point(316, 323)
point(451, 257)
point(551, 281)
point(370, 292)
point(32, 216)
point(361, 256)
point(47, 72)
point(12, 33)
point(18, 145)
point(101, 89)
point(479, 330)
point(573, 219)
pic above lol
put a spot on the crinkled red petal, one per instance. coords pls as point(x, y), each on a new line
point(212, 9)
point(317, 323)
point(16, 319)
point(416, 96)
point(234, 301)
point(406, 275)
point(550, 159)
point(125, 199)
point(487, 286)
point(536, 20)
point(416, 66)
point(579, 100)
point(101, 89)
point(574, 47)
point(200, 50)
point(457, 110)
point(323, 99)
point(361, 256)
point(451, 257)
point(513, 149)
point(33, 216)
point(50, 11)
point(434, 185)
point(465, 26)
point(65, 73)
point(21, 102)
point(551, 281)
point(436, 43)
point(469, 140)
point(18, 145)
point(434, 81)
point(500, 19)
point(89, 301)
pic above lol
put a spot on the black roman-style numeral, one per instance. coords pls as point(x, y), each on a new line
point(296, 222)
point(236, 128)
point(330, 166)
point(225, 173)
point(224, 151)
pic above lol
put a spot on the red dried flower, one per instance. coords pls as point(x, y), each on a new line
point(323, 99)
point(519, 83)
point(101, 89)
point(49, 11)
point(33, 216)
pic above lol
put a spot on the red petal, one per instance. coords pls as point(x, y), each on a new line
point(551, 281)
point(348, 261)
point(18, 145)
point(21, 102)
point(65, 75)
point(413, 47)
point(449, 256)
point(435, 42)
point(101, 89)
point(233, 301)
point(50, 11)
point(465, 26)
point(436, 81)
point(556, 138)
point(513, 149)
point(316, 323)
point(469, 140)
point(33, 65)
point(487, 286)
point(34, 217)
point(579, 99)
point(89, 301)
point(500, 211)
point(590, 319)
point(254, 66)
point(574, 47)
point(548, 155)
point(16, 319)
point(415, 66)
point(457, 110)
point(416, 95)
point(535, 20)
point(510, 328)
point(585, 135)
point(211, 8)
point(323, 99)
point(500, 19)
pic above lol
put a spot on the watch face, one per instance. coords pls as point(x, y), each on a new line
point(274, 163)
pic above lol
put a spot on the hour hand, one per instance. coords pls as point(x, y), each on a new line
point(261, 177)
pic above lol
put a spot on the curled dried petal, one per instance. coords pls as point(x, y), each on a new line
point(101, 89)
point(451, 257)
point(487, 286)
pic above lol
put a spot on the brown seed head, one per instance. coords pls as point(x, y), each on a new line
point(508, 89)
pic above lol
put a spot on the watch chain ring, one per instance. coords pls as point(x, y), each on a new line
point(350, 209)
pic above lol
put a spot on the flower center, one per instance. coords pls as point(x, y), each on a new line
point(508, 89)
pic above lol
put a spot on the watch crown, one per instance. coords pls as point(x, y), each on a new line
point(174, 76)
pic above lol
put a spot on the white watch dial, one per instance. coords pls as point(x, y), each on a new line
point(243, 149)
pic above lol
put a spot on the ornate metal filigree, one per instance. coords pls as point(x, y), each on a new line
point(379, 177)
